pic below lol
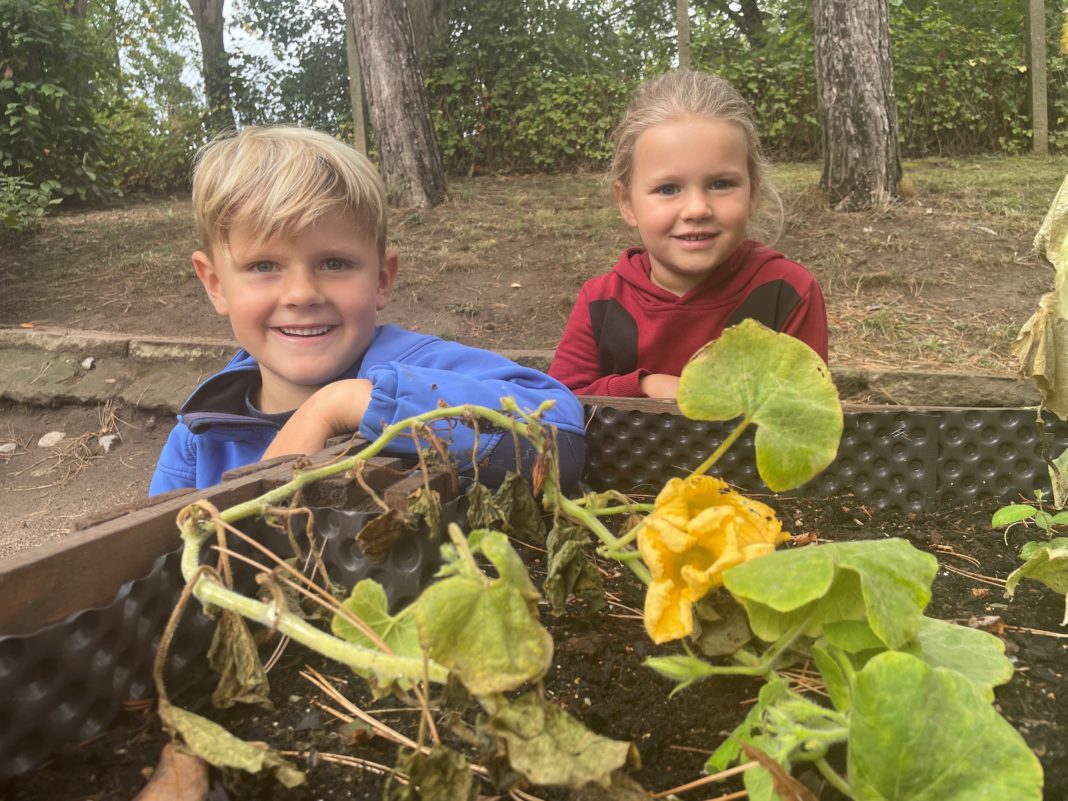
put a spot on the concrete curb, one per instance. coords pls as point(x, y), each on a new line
point(50, 367)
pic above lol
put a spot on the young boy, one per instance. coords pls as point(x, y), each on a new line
point(294, 229)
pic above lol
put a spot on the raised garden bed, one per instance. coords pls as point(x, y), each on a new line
point(932, 476)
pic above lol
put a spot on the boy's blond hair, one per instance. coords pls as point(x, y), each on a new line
point(280, 180)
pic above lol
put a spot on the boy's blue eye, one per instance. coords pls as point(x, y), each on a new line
point(335, 264)
point(262, 267)
point(667, 190)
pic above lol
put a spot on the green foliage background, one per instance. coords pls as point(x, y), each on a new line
point(103, 105)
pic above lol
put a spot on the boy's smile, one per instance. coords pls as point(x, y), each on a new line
point(690, 197)
point(304, 306)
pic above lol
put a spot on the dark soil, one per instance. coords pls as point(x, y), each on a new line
point(599, 678)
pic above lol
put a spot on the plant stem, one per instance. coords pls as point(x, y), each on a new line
point(590, 521)
point(605, 511)
point(723, 447)
point(768, 659)
point(832, 777)
point(257, 506)
point(209, 591)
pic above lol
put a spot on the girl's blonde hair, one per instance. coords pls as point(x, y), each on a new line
point(279, 181)
point(681, 94)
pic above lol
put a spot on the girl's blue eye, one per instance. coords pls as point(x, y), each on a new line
point(721, 184)
point(667, 190)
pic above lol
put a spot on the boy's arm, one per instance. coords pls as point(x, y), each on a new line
point(176, 466)
point(576, 364)
point(448, 373)
point(337, 408)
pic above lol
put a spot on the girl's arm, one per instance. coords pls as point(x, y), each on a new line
point(576, 364)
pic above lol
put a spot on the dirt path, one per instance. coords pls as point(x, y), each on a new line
point(46, 489)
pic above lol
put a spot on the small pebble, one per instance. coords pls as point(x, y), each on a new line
point(8, 447)
point(50, 439)
point(87, 363)
point(107, 442)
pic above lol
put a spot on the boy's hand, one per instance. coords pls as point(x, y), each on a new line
point(660, 385)
point(337, 408)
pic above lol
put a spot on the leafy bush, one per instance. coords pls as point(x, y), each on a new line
point(528, 84)
point(148, 156)
point(22, 204)
point(49, 89)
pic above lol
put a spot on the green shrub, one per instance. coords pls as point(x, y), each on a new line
point(22, 204)
point(150, 157)
point(50, 86)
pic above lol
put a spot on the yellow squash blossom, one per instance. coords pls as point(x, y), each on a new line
point(700, 528)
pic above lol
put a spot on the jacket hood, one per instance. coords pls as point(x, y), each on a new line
point(633, 267)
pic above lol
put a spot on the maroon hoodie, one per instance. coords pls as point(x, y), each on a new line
point(624, 326)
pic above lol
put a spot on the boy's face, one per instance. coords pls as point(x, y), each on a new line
point(305, 307)
point(690, 198)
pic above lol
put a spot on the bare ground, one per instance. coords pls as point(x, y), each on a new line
point(941, 281)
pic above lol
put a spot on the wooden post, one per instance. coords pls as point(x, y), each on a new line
point(682, 14)
point(1036, 70)
point(359, 125)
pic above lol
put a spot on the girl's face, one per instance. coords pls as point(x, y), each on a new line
point(690, 197)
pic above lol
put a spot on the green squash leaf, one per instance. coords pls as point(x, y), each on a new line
point(976, 655)
point(552, 749)
point(852, 636)
point(1029, 549)
point(837, 675)
point(486, 630)
point(926, 734)
point(1047, 564)
point(777, 382)
point(884, 582)
point(369, 603)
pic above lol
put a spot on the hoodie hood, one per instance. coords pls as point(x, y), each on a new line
point(718, 289)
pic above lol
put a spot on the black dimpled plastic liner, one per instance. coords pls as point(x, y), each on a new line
point(909, 460)
point(66, 683)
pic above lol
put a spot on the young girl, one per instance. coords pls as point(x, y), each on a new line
point(687, 174)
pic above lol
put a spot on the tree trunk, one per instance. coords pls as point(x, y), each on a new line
point(352, 54)
point(400, 112)
point(208, 16)
point(75, 8)
point(856, 103)
point(747, 16)
point(429, 18)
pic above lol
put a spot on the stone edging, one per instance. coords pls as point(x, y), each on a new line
point(48, 367)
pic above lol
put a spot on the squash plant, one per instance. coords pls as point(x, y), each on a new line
point(910, 714)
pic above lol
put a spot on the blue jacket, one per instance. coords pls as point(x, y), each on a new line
point(410, 374)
